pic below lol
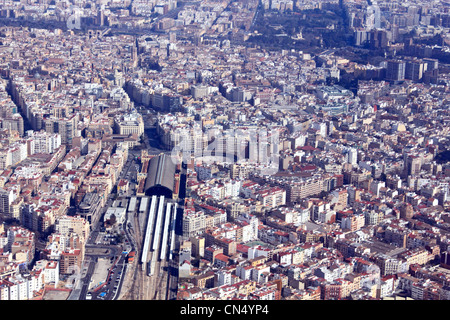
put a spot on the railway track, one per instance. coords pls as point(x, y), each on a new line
point(134, 292)
point(150, 278)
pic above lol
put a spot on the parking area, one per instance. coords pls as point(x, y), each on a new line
point(107, 279)
point(100, 273)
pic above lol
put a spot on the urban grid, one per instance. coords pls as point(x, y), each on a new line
point(224, 150)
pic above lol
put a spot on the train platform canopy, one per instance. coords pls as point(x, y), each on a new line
point(161, 176)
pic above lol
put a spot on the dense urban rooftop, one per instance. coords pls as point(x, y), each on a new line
point(310, 155)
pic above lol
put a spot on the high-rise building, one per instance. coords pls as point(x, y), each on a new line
point(352, 156)
point(378, 39)
point(414, 69)
point(431, 64)
point(413, 164)
point(373, 17)
point(64, 126)
point(360, 36)
point(198, 246)
point(395, 70)
point(6, 198)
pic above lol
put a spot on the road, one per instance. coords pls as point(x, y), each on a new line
point(96, 250)
point(93, 253)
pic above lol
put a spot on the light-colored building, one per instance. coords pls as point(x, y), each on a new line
point(129, 123)
point(68, 224)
